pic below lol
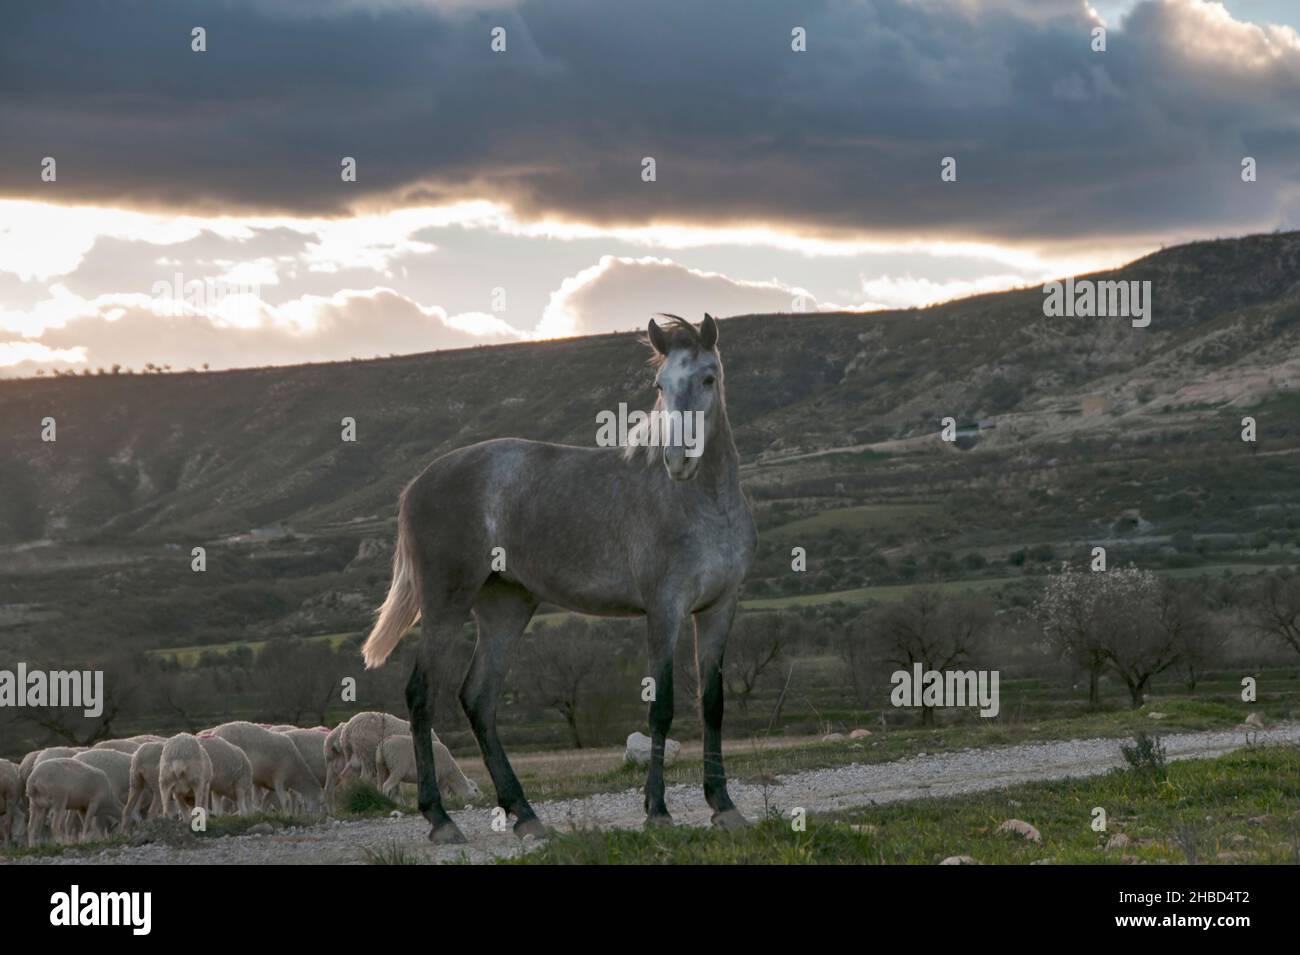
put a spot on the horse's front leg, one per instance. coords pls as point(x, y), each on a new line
point(711, 629)
point(662, 627)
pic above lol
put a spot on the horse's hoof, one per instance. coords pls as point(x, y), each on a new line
point(659, 821)
point(530, 828)
point(729, 819)
point(447, 834)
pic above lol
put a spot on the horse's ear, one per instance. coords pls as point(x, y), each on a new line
point(708, 331)
point(658, 340)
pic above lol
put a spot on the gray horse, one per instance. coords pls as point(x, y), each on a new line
point(655, 529)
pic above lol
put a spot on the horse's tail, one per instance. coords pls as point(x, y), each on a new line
point(402, 605)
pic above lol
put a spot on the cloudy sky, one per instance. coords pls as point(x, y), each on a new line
point(196, 211)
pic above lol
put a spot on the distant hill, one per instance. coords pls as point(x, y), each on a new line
point(179, 457)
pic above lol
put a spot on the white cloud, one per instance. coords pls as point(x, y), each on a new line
point(618, 293)
point(239, 331)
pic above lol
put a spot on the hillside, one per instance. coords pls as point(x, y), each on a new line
point(1098, 429)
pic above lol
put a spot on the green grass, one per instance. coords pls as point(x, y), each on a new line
point(189, 656)
point(361, 798)
point(1239, 808)
point(890, 593)
point(865, 517)
point(394, 853)
point(863, 595)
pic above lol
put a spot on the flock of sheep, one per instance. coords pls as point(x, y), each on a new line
point(240, 767)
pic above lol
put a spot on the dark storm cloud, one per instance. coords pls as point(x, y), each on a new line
point(1051, 139)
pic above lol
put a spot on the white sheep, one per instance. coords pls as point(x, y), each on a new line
point(127, 746)
point(232, 773)
point(395, 762)
point(115, 765)
point(184, 776)
point(25, 767)
point(311, 746)
point(277, 765)
point(144, 797)
point(360, 738)
point(60, 786)
point(282, 728)
point(334, 758)
point(11, 803)
point(55, 752)
point(32, 760)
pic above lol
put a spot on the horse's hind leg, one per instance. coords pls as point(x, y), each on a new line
point(502, 611)
point(711, 630)
point(440, 627)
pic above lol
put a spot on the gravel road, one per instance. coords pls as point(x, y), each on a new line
point(924, 775)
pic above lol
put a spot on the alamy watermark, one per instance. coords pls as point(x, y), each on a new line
point(41, 688)
point(177, 296)
point(651, 429)
point(946, 688)
point(1085, 298)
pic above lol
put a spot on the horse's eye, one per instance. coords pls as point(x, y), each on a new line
point(708, 381)
point(658, 387)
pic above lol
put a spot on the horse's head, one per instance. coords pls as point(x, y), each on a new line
point(689, 381)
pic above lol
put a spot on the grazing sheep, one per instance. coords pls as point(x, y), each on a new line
point(25, 767)
point(232, 773)
point(60, 786)
point(144, 796)
point(311, 746)
point(184, 775)
point(11, 803)
point(127, 746)
point(116, 766)
point(277, 765)
point(334, 758)
point(56, 752)
point(395, 761)
point(361, 737)
point(281, 727)
point(34, 759)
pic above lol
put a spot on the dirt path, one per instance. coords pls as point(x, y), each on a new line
point(940, 774)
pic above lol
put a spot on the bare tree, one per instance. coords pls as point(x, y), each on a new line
point(1140, 623)
point(754, 645)
point(1275, 608)
point(569, 667)
point(297, 679)
point(1185, 614)
point(928, 629)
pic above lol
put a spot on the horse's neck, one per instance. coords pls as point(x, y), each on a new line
point(720, 469)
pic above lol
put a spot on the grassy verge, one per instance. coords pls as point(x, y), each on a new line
point(1239, 808)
